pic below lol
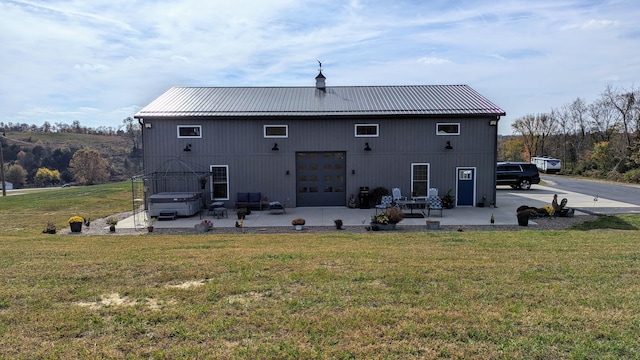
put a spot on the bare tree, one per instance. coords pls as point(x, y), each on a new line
point(603, 120)
point(624, 103)
point(535, 130)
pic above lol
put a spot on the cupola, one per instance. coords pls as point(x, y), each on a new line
point(320, 79)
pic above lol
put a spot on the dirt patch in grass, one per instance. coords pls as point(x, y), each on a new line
point(115, 299)
point(188, 284)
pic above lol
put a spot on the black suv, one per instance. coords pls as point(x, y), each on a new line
point(517, 174)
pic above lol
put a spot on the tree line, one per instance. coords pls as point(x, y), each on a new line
point(29, 163)
point(598, 139)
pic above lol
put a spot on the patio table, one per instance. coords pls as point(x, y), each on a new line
point(412, 204)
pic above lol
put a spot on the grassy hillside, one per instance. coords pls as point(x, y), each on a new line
point(521, 295)
point(31, 150)
point(107, 145)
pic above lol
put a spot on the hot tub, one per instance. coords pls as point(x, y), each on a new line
point(182, 203)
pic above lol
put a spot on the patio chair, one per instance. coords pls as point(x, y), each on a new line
point(385, 203)
point(397, 196)
point(242, 200)
point(433, 203)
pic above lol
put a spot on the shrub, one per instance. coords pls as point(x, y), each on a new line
point(112, 221)
point(632, 176)
point(394, 214)
point(298, 221)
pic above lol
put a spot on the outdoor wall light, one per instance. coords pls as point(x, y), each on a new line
point(449, 147)
point(187, 148)
point(147, 125)
point(493, 122)
point(275, 147)
point(353, 172)
point(287, 172)
point(367, 147)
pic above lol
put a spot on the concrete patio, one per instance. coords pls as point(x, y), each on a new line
point(508, 200)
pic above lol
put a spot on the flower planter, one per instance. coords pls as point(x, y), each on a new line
point(298, 227)
point(383, 227)
point(433, 225)
point(523, 220)
point(76, 227)
point(201, 228)
point(112, 228)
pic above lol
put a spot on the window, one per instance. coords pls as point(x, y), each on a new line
point(447, 129)
point(276, 131)
point(189, 131)
point(220, 182)
point(367, 130)
point(419, 179)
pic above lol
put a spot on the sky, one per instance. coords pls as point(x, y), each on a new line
point(100, 61)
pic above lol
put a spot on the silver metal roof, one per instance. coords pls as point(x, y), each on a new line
point(309, 101)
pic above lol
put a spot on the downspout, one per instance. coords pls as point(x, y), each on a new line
point(494, 123)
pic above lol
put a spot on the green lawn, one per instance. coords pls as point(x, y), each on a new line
point(524, 294)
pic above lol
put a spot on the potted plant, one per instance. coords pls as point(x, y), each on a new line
point(241, 212)
point(433, 224)
point(112, 222)
point(149, 221)
point(204, 226)
point(298, 222)
point(75, 223)
point(448, 200)
point(524, 215)
point(203, 182)
point(386, 220)
point(338, 223)
point(49, 229)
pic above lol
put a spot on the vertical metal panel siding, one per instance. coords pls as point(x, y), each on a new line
point(253, 166)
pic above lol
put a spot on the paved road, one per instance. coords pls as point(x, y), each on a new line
point(596, 196)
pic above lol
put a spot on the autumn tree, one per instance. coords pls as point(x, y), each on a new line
point(535, 130)
point(88, 167)
point(511, 149)
point(46, 176)
point(16, 175)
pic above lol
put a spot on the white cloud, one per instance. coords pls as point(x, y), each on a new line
point(63, 57)
point(92, 67)
point(433, 61)
point(591, 24)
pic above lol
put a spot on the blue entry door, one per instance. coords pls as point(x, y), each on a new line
point(466, 186)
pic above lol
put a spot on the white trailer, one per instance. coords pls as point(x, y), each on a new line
point(546, 164)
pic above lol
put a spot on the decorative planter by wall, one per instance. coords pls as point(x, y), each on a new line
point(523, 219)
point(76, 227)
point(201, 228)
point(383, 227)
point(433, 225)
point(298, 227)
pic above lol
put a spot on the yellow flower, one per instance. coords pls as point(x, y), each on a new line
point(75, 219)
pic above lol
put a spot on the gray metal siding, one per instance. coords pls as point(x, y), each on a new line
point(253, 166)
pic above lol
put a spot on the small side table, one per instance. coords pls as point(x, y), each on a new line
point(217, 209)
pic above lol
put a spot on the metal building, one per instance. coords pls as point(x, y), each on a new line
point(318, 146)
